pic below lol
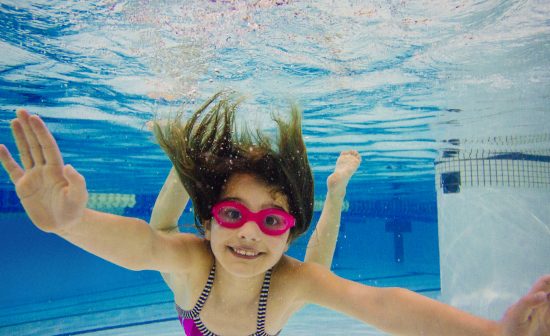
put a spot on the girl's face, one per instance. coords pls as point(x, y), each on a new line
point(247, 251)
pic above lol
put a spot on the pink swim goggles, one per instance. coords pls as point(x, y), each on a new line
point(232, 215)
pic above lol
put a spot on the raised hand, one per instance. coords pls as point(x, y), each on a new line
point(54, 195)
point(346, 165)
point(530, 316)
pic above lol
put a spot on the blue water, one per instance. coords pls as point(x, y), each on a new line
point(397, 81)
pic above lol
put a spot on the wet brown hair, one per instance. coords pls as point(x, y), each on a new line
point(207, 149)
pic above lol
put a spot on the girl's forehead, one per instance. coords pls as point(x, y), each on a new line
point(250, 188)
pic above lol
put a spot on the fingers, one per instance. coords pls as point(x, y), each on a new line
point(14, 170)
point(22, 145)
point(350, 156)
point(537, 296)
point(32, 143)
point(352, 152)
point(525, 307)
point(49, 149)
point(542, 284)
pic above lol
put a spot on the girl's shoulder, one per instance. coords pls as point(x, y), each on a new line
point(186, 284)
point(286, 268)
point(200, 254)
point(297, 275)
point(289, 267)
point(305, 279)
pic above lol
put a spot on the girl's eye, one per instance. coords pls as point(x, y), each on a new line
point(231, 214)
point(273, 221)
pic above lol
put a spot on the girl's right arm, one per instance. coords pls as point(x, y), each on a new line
point(168, 208)
point(54, 196)
point(131, 243)
point(169, 205)
point(170, 202)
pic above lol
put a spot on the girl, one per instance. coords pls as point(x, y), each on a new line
point(251, 201)
point(172, 199)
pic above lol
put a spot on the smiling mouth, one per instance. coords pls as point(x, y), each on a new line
point(246, 254)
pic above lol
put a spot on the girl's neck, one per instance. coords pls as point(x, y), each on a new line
point(233, 288)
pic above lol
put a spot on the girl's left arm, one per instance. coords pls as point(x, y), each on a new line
point(322, 243)
point(403, 312)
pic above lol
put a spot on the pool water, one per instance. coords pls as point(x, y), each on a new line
point(418, 89)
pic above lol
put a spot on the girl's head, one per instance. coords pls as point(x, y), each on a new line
point(208, 150)
point(247, 208)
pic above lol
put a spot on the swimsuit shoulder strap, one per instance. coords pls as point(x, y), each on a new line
point(204, 295)
point(262, 306)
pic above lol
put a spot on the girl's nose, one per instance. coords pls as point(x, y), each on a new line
point(250, 231)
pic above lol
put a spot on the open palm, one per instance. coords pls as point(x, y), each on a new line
point(53, 195)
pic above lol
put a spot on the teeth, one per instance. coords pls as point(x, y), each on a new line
point(244, 252)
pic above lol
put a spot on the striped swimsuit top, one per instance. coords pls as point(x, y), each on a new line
point(191, 321)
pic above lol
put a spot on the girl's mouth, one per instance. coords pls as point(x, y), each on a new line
point(245, 254)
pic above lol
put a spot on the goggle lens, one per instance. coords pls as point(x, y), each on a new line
point(232, 214)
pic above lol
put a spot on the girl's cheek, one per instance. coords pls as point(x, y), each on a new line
point(280, 243)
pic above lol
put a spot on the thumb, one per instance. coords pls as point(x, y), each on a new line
point(77, 183)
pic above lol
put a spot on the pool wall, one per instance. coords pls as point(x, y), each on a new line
point(494, 225)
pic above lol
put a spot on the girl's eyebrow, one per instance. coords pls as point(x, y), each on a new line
point(264, 206)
